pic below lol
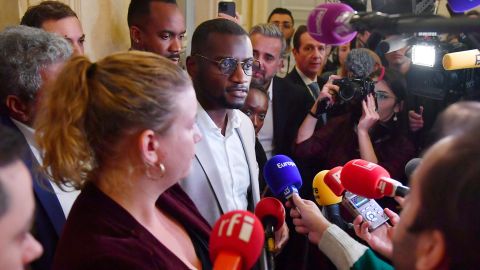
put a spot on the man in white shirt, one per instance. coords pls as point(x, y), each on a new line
point(224, 175)
point(31, 58)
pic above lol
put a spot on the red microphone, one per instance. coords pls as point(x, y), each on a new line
point(272, 214)
point(236, 241)
point(370, 180)
point(332, 180)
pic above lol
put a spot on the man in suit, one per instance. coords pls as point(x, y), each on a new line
point(18, 246)
point(57, 17)
point(30, 59)
point(287, 102)
point(224, 174)
point(309, 58)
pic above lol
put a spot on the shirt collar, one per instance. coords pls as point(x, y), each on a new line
point(28, 132)
point(204, 120)
point(304, 77)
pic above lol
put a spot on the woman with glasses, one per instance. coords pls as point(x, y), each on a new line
point(123, 131)
point(370, 132)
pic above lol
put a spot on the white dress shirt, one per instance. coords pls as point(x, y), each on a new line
point(66, 198)
point(265, 135)
point(229, 157)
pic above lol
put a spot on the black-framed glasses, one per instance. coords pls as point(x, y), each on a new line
point(228, 65)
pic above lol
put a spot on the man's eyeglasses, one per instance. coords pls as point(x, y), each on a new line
point(228, 65)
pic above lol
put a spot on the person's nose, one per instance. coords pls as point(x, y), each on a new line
point(32, 250)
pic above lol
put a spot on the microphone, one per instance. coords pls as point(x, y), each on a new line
point(332, 180)
point(322, 193)
point(282, 176)
point(236, 241)
point(411, 166)
point(336, 23)
point(272, 214)
point(462, 5)
point(461, 60)
point(326, 198)
point(394, 43)
point(370, 180)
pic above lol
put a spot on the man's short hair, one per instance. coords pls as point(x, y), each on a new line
point(139, 11)
point(298, 34)
point(279, 10)
point(11, 148)
point(219, 26)
point(449, 198)
point(270, 30)
point(25, 51)
point(36, 15)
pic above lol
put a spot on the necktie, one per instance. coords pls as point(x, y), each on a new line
point(315, 89)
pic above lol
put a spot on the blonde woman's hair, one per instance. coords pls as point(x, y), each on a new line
point(93, 104)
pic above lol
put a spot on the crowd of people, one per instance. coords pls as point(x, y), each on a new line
point(127, 162)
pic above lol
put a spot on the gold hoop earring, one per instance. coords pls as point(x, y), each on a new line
point(162, 169)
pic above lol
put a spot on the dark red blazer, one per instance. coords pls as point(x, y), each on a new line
point(100, 234)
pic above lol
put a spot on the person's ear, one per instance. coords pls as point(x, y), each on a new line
point(431, 250)
point(398, 107)
point(136, 36)
point(18, 109)
point(148, 146)
point(192, 66)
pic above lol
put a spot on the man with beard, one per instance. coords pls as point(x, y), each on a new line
point(288, 104)
point(428, 234)
point(224, 175)
point(156, 26)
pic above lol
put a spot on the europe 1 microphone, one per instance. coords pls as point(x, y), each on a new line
point(282, 176)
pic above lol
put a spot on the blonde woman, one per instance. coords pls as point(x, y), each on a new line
point(123, 130)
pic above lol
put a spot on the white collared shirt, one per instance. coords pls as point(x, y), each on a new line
point(306, 81)
point(265, 135)
point(66, 198)
point(229, 157)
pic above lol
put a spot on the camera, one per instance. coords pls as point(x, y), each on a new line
point(354, 89)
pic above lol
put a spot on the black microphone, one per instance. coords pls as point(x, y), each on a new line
point(411, 166)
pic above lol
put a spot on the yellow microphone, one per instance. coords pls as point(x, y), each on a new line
point(461, 60)
point(328, 200)
point(323, 194)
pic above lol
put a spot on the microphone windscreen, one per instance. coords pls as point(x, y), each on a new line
point(411, 166)
point(360, 63)
point(239, 233)
point(271, 208)
point(322, 23)
point(332, 180)
point(461, 60)
point(362, 177)
point(322, 193)
point(463, 5)
point(281, 173)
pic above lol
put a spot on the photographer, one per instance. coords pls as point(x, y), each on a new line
point(366, 132)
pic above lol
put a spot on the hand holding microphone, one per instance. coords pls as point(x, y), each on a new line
point(236, 241)
point(307, 218)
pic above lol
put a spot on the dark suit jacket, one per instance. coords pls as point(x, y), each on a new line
point(294, 78)
point(290, 106)
point(49, 217)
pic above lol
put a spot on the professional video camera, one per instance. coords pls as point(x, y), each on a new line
point(429, 79)
point(354, 89)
